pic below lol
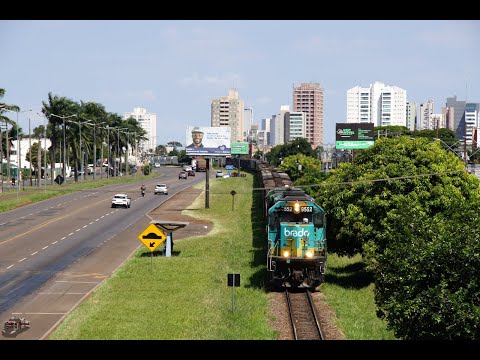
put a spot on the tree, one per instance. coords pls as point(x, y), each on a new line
point(297, 146)
point(404, 204)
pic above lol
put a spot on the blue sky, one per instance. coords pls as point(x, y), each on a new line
point(174, 68)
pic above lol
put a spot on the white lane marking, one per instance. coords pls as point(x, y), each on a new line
point(91, 223)
point(63, 238)
point(36, 252)
point(70, 234)
point(44, 247)
point(97, 219)
point(9, 266)
point(84, 226)
point(22, 259)
point(102, 216)
point(53, 243)
point(78, 230)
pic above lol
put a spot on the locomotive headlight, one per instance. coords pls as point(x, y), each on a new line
point(296, 208)
point(309, 254)
point(286, 254)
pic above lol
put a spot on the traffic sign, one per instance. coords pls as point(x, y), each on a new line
point(152, 236)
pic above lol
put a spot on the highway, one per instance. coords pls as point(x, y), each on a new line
point(53, 253)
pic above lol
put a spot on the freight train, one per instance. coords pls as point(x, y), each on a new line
point(296, 232)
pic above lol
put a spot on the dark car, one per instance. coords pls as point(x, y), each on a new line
point(182, 175)
point(191, 173)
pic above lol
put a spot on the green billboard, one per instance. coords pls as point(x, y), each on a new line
point(239, 148)
point(354, 135)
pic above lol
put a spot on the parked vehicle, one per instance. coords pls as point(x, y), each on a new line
point(191, 172)
point(121, 200)
point(156, 165)
point(219, 174)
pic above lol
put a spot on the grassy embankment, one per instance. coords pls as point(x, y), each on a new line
point(186, 296)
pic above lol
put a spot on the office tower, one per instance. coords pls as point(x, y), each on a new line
point(308, 98)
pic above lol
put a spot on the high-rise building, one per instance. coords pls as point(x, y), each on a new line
point(280, 126)
point(425, 116)
point(458, 109)
point(247, 122)
point(411, 115)
point(380, 104)
point(296, 125)
point(229, 111)
point(308, 98)
point(148, 122)
point(471, 120)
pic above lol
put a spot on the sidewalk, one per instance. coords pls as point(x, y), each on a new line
point(171, 210)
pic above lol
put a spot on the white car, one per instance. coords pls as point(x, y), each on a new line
point(219, 174)
point(156, 165)
point(161, 189)
point(121, 200)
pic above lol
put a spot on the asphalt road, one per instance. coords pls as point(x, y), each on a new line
point(54, 253)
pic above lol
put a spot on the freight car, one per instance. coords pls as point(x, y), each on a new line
point(296, 232)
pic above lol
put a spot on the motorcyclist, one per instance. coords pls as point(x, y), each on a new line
point(143, 188)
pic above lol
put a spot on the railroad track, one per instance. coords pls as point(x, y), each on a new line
point(303, 316)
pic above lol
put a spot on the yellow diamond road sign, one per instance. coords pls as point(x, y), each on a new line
point(152, 236)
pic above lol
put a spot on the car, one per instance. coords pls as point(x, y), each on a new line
point(219, 174)
point(182, 175)
point(191, 172)
point(121, 200)
point(156, 165)
point(161, 189)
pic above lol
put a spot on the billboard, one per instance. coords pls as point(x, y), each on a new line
point(202, 140)
point(354, 136)
point(239, 148)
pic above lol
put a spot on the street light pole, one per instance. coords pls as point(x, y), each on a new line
point(108, 151)
point(18, 148)
point(64, 141)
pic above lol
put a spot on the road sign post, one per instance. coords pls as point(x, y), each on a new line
point(168, 227)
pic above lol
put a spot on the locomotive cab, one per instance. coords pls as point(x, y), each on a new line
point(296, 239)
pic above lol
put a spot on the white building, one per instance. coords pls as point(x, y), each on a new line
point(380, 104)
point(148, 122)
point(425, 116)
point(297, 125)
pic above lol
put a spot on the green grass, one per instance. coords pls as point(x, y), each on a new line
point(186, 296)
point(349, 290)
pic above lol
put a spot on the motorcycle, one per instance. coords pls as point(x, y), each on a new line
point(143, 192)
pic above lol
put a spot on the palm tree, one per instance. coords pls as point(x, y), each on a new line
point(6, 120)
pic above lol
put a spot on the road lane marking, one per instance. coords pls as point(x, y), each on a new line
point(70, 234)
point(47, 223)
point(22, 259)
point(43, 248)
point(9, 267)
point(53, 243)
point(36, 252)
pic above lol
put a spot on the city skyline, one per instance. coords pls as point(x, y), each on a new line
point(175, 68)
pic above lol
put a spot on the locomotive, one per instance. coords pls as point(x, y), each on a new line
point(296, 233)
